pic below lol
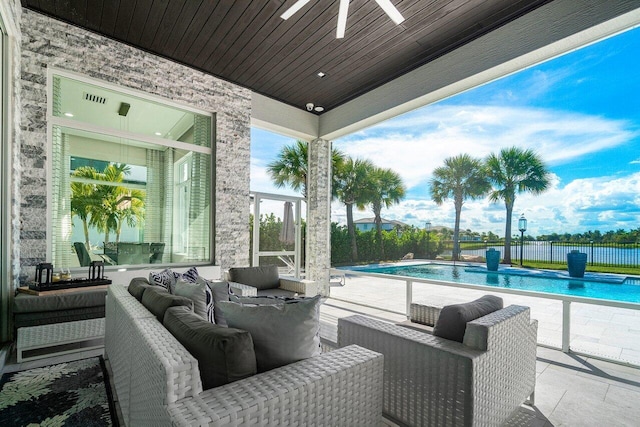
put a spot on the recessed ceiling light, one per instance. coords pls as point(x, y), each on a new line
point(318, 109)
point(68, 114)
point(158, 134)
point(321, 74)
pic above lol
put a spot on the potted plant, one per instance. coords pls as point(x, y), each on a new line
point(576, 263)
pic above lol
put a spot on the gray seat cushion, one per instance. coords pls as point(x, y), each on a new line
point(452, 322)
point(224, 354)
point(157, 301)
point(262, 277)
point(24, 303)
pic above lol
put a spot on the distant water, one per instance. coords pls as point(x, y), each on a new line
point(627, 291)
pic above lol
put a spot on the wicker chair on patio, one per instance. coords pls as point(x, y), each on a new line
point(432, 381)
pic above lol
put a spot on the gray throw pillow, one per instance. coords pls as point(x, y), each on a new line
point(224, 354)
point(282, 333)
point(262, 277)
point(137, 287)
point(452, 322)
point(196, 292)
point(157, 301)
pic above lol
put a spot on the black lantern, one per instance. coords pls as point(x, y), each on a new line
point(522, 226)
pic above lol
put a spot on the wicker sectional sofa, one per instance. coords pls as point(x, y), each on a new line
point(157, 381)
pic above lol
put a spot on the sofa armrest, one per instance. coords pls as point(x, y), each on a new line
point(243, 290)
point(421, 372)
point(308, 288)
point(340, 387)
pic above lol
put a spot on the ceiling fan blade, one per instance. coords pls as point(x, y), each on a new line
point(293, 9)
point(391, 10)
point(342, 18)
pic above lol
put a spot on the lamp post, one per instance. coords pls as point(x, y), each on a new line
point(427, 227)
point(522, 226)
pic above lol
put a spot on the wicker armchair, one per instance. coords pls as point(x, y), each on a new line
point(265, 280)
point(432, 381)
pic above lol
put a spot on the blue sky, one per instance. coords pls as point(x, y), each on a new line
point(580, 112)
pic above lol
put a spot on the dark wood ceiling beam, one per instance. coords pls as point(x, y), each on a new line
point(152, 24)
point(248, 26)
point(223, 29)
point(366, 35)
point(78, 11)
point(170, 20)
point(94, 14)
point(204, 36)
point(109, 17)
point(125, 16)
point(188, 28)
point(289, 35)
point(311, 58)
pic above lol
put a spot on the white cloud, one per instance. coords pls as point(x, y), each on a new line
point(416, 144)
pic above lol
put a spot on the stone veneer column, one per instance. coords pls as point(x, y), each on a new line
point(47, 43)
point(318, 247)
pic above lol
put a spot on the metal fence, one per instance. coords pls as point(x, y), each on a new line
point(603, 254)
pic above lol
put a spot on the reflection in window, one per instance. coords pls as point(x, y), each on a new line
point(128, 195)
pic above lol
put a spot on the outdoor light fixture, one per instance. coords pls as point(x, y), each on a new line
point(343, 11)
point(68, 114)
point(522, 226)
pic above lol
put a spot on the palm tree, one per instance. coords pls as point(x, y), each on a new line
point(291, 167)
point(512, 171)
point(83, 197)
point(386, 189)
point(118, 204)
point(351, 189)
point(462, 177)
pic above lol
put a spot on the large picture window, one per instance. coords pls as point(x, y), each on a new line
point(131, 177)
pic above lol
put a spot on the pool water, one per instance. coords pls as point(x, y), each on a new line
point(623, 289)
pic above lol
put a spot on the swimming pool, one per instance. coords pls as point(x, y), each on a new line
point(599, 286)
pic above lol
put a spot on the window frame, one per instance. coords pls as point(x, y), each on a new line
point(53, 121)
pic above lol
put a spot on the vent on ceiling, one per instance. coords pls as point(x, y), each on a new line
point(94, 98)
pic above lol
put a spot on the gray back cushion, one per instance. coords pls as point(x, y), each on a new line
point(282, 333)
point(452, 322)
point(263, 277)
point(224, 354)
point(157, 300)
point(137, 287)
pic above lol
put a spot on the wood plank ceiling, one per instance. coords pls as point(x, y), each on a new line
point(246, 41)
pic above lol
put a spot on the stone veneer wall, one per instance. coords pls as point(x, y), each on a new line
point(50, 43)
point(319, 214)
point(13, 11)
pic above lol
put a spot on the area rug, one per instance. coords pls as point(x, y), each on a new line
point(67, 394)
